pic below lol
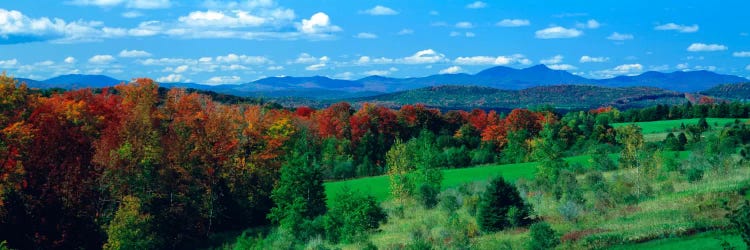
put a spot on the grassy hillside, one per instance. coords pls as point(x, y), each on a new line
point(674, 125)
point(737, 91)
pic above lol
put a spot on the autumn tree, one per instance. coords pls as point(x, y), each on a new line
point(130, 228)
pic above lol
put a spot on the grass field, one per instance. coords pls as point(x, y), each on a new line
point(378, 186)
point(670, 125)
point(708, 240)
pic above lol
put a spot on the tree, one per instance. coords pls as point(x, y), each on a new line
point(351, 216)
point(130, 228)
point(517, 149)
point(632, 140)
point(499, 204)
point(542, 237)
point(299, 192)
point(398, 160)
point(672, 143)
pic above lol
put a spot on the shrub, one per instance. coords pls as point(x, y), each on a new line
point(449, 202)
point(569, 210)
point(542, 236)
point(741, 220)
point(351, 216)
point(496, 203)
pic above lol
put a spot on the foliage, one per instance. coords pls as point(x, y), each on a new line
point(740, 219)
point(542, 236)
point(351, 216)
point(130, 228)
point(501, 207)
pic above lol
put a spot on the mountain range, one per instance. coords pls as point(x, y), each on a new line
point(500, 78)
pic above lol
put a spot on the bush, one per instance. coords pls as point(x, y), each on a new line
point(501, 206)
point(569, 210)
point(427, 195)
point(351, 216)
point(449, 202)
point(542, 236)
point(741, 220)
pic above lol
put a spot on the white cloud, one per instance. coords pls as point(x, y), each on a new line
point(15, 27)
point(134, 53)
point(244, 59)
point(588, 59)
point(702, 47)
point(306, 58)
point(464, 25)
point(470, 34)
point(377, 73)
point(70, 60)
point(557, 32)
point(466, 34)
point(321, 64)
point(8, 63)
point(406, 32)
point(224, 80)
point(423, 56)
point(132, 14)
point(553, 60)
point(181, 69)
point(134, 4)
point(379, 10)
point(620, 37)
point(741, 54)
point(624, 69)
point(318, 23)
point(366, 35)
point(234, 19)
point(682, 66)
point(678, 27)
point(562, 67)
point(476, 5)
point(451, 70)
point(592, 24)
point(275, 68)
point(344, 75)
point(101, 59)
point(513, 23)
point(172, 78)
point(492, 60)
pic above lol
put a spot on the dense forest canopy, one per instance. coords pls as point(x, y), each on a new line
point(84, 169)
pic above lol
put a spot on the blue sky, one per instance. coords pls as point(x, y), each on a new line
point(223, 42)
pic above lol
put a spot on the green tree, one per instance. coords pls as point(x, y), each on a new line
point(299, 192)
point(632, 142)
point(672, 143)
point(542, 237)
point(516, 149)
point(352, 216)
point(741, 220)
point(398, 161)
point(428, 176)
point(499, 204)
point(130, 228)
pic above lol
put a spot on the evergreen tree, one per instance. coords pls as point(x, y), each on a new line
point(499, 205)
point(299, 192)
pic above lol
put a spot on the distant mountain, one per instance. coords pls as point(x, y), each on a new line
point(570, 97)
point(500, 77)
point(737, 91)
point(76, 82)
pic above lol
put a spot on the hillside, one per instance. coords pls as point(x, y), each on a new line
point(558, 96)
point(737, 91)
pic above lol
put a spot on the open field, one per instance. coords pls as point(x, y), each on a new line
point(667, 126)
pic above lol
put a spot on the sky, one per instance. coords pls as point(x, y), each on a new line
point(230, 42)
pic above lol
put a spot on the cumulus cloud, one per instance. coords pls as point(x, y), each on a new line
point(134, 53)
point(134, 4)
point(464, 25)
point(70, 60)
point(8, 63)
point(223, 80)
point(15, 27)
point(451, 70)
point(558, 32)
point(466, 34)
point(379, 10)
point(553, 60)
point(620, 37)
point(366, 35)
point(624, 69)
point(172, 78)
point(741, 54)
point(406, 32)
point(513, 23)
point(101, 59)
point(678, 27)
point(590, 24)
point(377, 73)
point(562, 67)
point(589, 59)
point(476, 5)
point(492, 60)
point(319, 23)
point(702, 47)
point(132, 14)
point(423, 56)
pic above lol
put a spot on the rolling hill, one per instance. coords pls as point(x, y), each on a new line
point(737, 91)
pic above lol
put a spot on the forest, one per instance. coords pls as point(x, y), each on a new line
point(133, 167)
